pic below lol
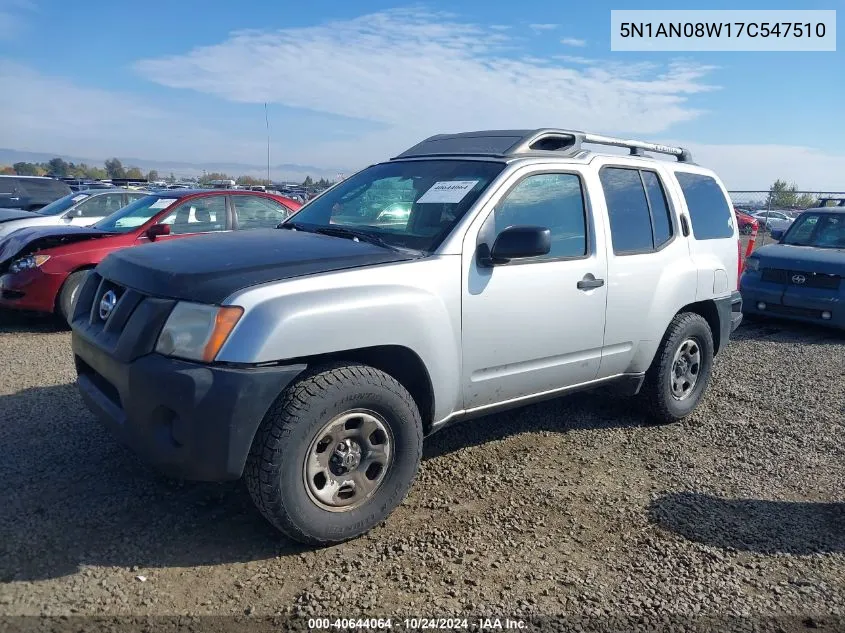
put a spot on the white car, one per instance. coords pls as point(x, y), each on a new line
point(774, 219)
point(82, 208)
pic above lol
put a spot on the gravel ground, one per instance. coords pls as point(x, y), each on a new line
point(573, 507)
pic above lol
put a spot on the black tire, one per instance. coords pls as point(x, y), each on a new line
point(275, 467)
point(67, 295)
point(656, 393)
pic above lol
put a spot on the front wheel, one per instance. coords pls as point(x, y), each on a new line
point(68, 294)
point(681, 369)
point(336, 453)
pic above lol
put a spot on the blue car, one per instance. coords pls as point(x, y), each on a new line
point(800, 277)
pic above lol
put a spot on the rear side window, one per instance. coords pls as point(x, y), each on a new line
point(638, 210)
point(8, 185)
point(708, 207)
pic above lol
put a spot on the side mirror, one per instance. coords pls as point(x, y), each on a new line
point(777, 234)
point(519, 242)
point(157, 230)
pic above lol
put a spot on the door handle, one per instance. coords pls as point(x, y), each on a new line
point(589, 283)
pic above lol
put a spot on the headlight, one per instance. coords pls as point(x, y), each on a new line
point(752, 264)
point(25, 263)
point(196, 331)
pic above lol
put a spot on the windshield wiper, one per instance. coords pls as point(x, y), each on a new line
point(342, 231)
point(294, 226)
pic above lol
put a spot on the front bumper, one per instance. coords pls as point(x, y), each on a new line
point(32, 290)
point(189, 420)
point(805, 305)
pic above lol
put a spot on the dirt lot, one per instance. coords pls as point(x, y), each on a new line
point(574, 507)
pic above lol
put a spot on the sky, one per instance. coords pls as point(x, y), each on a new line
point(352, 83)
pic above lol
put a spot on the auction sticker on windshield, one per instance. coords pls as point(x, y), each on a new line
point(162, 203)
point(447, 191)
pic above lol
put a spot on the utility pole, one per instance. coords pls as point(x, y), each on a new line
point(267, 122)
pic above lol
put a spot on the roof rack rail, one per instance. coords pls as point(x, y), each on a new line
point(542, 142)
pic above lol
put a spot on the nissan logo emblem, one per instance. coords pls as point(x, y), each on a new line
point(107, 304)
point(798, 279)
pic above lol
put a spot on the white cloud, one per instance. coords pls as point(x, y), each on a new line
point(417, 74)
point(750, 167)
point(407, 74)
point(573, 41)
point(543, 27)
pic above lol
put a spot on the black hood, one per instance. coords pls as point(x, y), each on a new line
point(7, 215)
point(35, 238)
point(209, 268)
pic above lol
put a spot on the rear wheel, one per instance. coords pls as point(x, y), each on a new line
point(335, 454)
point(68, 294)
point(680, 371)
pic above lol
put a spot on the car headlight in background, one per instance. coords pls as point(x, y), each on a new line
point(196, 331)
point(752, 264)
point(25, 263)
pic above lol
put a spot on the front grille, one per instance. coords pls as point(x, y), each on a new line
point(801, 278)
point(131, 326)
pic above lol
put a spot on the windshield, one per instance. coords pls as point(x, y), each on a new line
point(134, 215)
point(62, 204)
point(822, 230)
point(406, 204)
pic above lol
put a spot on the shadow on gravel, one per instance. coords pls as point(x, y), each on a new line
point(16, 322)
point(752, 525)
point(580, 411)
point(783, 331)
point(72, 496)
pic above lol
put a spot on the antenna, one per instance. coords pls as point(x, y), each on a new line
point(267, 123)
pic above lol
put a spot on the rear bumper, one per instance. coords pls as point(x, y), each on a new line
point(189, 420)
point(805, 305)
point(730, 316)
point(30, 290)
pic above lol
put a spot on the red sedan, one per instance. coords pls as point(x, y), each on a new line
point(747, 224)
point(41, 268)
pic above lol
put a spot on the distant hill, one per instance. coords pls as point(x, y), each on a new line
point(281, 171)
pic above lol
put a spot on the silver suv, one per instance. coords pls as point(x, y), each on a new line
point(312, 359)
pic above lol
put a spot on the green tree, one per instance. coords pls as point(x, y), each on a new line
point(171, 178)
point(785, 196)
point(152, 175)
point(114, 168)
point(26, 169)
point(135, 173)
point(58, 167)
point(308, 182)
point(215, 175)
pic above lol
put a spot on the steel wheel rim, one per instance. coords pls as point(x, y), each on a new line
point(686, 369)
point(347, 460)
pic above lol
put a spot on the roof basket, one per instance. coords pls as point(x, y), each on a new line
point(512, 143)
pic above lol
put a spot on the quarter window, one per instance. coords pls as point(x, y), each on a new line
point(255, 212)
point(709, 210)
point(552, 201)
point(640, 220)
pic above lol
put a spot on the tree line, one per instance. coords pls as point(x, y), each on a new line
point(113, 168)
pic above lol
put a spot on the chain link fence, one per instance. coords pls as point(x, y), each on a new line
point(776, 209)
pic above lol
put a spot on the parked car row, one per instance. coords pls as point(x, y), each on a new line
point(44, 258)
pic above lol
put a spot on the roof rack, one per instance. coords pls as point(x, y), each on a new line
point(544, 141)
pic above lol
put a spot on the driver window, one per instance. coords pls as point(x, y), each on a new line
point(552, 201)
